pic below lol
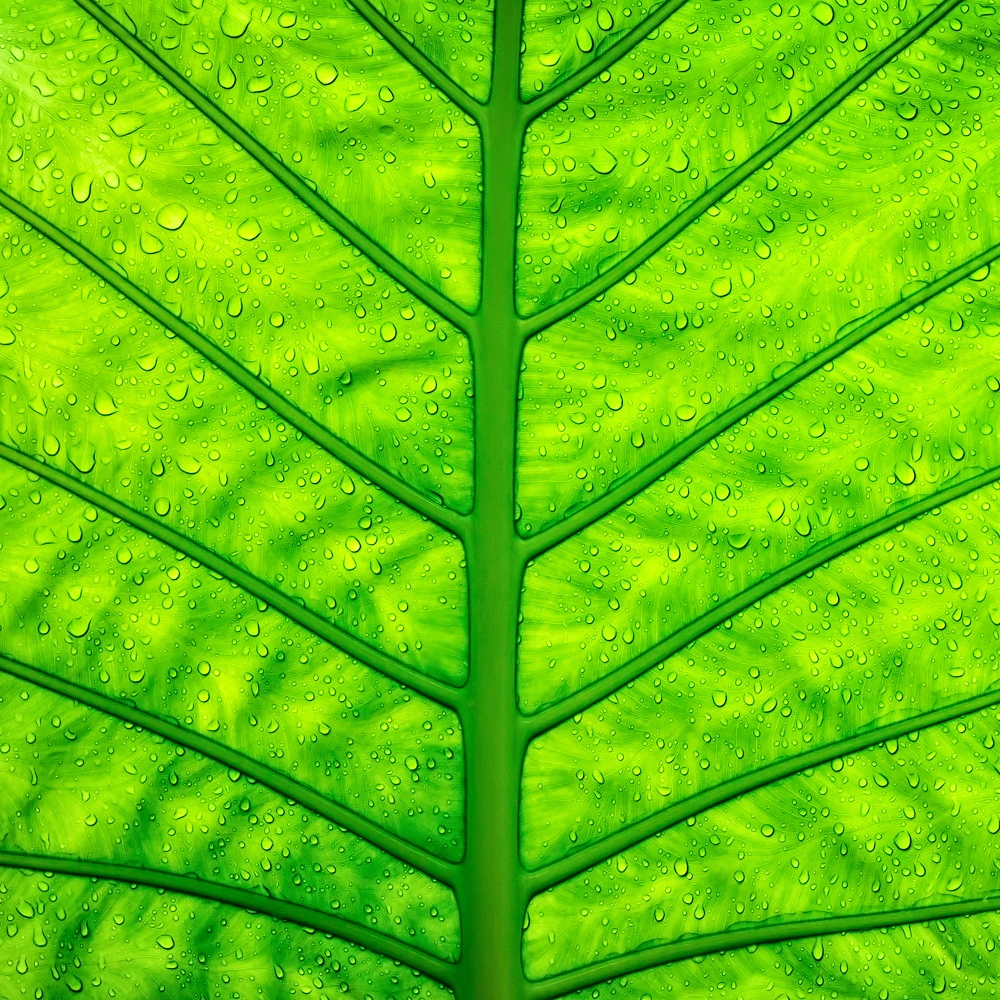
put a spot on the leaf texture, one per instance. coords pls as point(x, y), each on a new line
point(499, 499)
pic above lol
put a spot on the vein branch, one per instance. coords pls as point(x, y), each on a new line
point(574, 81)
point(826, 552)
point(271, 397)
point(600, 851)
point(262, 773)
point(747, 937)
point(295, 184)
point(244, 899)
point(319, 626)
point(657, 240)
point(851, 335)
point(417, 57)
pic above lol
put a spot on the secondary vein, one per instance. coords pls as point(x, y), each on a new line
point(657, 240)
point(633, 834)
point(574, 81)
point(631, 486)
point(347, 454)
point(262, 773)
point(244, 899)
point(417, 57)
point(746, 937)
point(319, 626)
point(295, 184)
point(559, 712)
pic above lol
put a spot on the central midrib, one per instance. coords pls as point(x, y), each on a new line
point(492, 884)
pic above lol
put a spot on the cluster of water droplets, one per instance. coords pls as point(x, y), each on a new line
point(111, 939)
point(102, 148)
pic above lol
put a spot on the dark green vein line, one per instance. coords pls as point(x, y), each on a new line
point(564, 88)
point(680, 222)
point(264, 775)
point(295, 184)
point(275, 400)
point(855, 333)
point(437, 690)
point(598, 852)
point(244, 899)
point(417, 58)
point(559, 712)
point(746, 937)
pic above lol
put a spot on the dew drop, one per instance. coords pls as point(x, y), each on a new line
point(104, 404)
point(721, 287)
point(81, 186)
point(126, 123)
point(326, 73)
point(172, 216)
point(234, 21)
point(248, 229)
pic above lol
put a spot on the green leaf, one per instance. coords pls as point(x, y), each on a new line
point(499, 500)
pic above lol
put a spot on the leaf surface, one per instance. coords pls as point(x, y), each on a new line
point(499, 499)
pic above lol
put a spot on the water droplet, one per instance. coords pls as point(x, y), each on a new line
point(148, 243)
point(83, 457)
point(162, 506)
point(172, 216)
point(603, 161)
point(104, 404)
point(248, 229)
point(355, 102)
point(78, 627)
point(823, 13)
point(326, 73)
point(386, 95)
point(81, 186)
point(721, 287)
point(584, 40)
point(781, 114)
point(126, 123)
point(685, 412)
point(235, 20)
point(678, 161)
point(614, 400)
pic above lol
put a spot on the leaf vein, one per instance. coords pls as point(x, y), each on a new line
point(260, 772)
point(633, 834)
point(746, 937)
point(295, 184)
point(271, 397)
point(559, 712)
point(429, 687)
point(657, 240)
point(245, 899)
point(633, 485)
